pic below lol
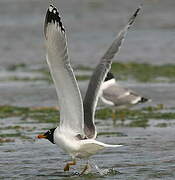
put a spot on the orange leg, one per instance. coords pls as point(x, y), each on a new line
point(85, 169)
point(122, 117)
point(67, 167)
point(113, 115)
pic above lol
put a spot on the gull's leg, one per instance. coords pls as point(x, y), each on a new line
point(122, 117)
point(113, 114)
point(67, 167)
point(114, 117)
point(87, 166)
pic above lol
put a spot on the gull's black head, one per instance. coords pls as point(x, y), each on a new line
point(48, 135)
point(109, 76)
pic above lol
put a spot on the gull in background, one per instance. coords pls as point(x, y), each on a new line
point(76, 132)
point(118, 97)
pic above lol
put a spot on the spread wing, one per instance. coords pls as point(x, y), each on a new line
point(70, 102)
point(92, 94)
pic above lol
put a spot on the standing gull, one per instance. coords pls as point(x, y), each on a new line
point(76, 132)
point(118, 97)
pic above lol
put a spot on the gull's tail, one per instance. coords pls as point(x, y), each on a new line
point(99, 145)
point(111, 145)
point(91, 146)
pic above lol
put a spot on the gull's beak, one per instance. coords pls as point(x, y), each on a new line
point(41, 136)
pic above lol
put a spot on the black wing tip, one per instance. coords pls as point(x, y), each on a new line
point(137, 11)
point(143, 100)
point(131, 20)
point(53, 16)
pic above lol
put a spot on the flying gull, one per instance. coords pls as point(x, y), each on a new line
point(76, 132)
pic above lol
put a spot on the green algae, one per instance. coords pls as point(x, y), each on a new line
point(82, 77)
point(43, 114)
point(6, 137)
point(142, 72)
point(17, 134)
point(117, 134)
point(12, 111)
point(14, 67)
point(47, 76)
point(162, 125)
point(14, 78)
point(139, 123)
point(158, 107)
point(103, 113)
point(136, 118)
point(84, 68)
point(17, 128)
point(46, 73)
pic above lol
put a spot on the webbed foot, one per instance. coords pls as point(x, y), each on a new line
point(67, 167)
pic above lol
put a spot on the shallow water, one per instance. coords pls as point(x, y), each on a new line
point(148, 153)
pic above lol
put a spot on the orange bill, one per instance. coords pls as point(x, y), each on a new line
point(40, 136)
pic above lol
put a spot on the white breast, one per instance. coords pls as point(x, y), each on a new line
point(75, 147)
point(66, 141)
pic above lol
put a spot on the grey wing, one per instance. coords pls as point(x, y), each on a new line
point(120, 96)
point(70, 102)
point(92, 94)
point(114, 90)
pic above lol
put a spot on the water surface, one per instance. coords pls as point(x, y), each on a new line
point(148, 153)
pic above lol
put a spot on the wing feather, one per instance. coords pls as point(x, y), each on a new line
point(92, 94)
point(70, 101)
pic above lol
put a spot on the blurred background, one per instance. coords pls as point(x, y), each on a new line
point(91, 26)
point(144, 64)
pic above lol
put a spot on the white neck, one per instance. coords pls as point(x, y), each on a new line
point(108, 83)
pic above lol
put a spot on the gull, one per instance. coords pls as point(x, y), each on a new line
point(76, 133)
point(118, 97)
